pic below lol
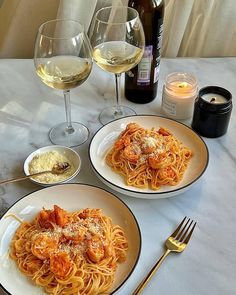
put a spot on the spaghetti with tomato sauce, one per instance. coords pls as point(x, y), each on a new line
point(70, 252)
point(149, 158)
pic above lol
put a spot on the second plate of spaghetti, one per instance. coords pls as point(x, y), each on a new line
point(148, 156)
point(68, 239)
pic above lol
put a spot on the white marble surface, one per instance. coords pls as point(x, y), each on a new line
point(208, 266)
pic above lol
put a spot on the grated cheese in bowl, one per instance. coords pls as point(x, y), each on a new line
point(45, 158)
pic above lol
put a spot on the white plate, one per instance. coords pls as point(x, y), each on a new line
point(70, 197)
point(103, 140)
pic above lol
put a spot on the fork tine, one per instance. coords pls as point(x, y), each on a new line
point(182, 231)
point(181, 238)
point(178, 228)
point(190, 234)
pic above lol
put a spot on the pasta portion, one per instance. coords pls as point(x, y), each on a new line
point(70, 253)
point(149, 158)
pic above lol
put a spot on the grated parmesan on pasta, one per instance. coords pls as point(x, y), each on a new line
point(46, 161)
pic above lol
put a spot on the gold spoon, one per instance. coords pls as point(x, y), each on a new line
point(58, 168)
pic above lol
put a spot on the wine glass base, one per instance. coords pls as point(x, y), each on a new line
point(60, 135)
point(110, 114)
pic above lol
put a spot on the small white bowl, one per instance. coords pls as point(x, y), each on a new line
point(69, 153)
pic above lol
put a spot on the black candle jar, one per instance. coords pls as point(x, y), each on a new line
point(212, 110)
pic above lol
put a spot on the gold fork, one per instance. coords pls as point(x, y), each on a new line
point(176, 242)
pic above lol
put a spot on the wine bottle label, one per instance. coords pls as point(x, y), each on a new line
point(144, 67)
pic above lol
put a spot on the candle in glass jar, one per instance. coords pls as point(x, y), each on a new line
point(179, 93)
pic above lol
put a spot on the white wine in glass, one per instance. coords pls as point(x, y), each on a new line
point(63, 60)
point(117, 39)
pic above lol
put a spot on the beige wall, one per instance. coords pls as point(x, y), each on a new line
point(19, 22)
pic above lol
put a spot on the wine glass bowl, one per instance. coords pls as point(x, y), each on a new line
point(117, 40)
point(63, 60)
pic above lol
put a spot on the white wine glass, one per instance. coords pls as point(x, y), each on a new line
point(63, 60)
point(118, 41)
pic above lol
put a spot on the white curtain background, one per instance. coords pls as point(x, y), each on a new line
point(192, 28)
point(19, 22)
point(199, 28)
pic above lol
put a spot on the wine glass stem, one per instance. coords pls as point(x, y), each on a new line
point(69, 128)
point(118, 110)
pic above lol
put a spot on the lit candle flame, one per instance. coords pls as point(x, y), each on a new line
point(183, 85)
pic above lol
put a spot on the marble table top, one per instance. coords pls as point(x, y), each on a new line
point(28, 109)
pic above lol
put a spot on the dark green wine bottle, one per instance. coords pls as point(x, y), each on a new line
point(141, 82)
